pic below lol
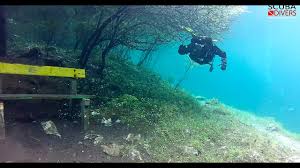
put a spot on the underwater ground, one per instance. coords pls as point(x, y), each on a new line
point(151, 122)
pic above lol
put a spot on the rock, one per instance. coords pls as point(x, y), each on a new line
point(190, 150)
point(188, 131)
point(135, 154)
point(117, 121)
point(131, 137)
point(94, 113)
point(213, 101)
point(98, 140)
point(91, 136)
point(50, 128)
point(255, 156)
point(272, 128)
point(137, 137)
point(223, 147)
point(202, 103)
point(200, 98)
point(112, 149)
point(107, 122)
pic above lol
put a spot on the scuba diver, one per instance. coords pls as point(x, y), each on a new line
point(202, 50)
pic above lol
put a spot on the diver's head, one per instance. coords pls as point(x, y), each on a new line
point(182, 50)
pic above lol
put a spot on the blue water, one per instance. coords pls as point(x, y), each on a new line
point(263, 72)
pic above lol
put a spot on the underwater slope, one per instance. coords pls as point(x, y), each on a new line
point(178, 127)
point(171, 125)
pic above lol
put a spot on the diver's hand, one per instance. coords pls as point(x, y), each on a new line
point(224, 64)
point(223, 67)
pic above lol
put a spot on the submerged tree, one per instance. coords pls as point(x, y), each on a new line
point(184, 76)
point(98, 30)
point(146, 57)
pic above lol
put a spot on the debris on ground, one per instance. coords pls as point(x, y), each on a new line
point(50, 128)
point(223, 147)
point(190, 150)
point(200, 98)
point(131, 137)
point(94, 113)
point(106, 122)
point(112, 149)
point(91, 136)
point(135, 155)
point(272, 128)
point(212, 101)
point(98, 140)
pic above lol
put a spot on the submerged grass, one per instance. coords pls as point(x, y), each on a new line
point(172, 121)
point(219, 138)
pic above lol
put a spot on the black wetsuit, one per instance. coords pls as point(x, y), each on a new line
point(203, 51)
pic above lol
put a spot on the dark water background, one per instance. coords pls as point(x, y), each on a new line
point(263, 74)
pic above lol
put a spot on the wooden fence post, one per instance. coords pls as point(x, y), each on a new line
point(73, 91)
point(0, 84)
point(85, 113)
point(2, 121)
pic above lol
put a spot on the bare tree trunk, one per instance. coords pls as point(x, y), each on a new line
point(184, 76)
point(147, 53)
point(94, 38)
point(76, 44)
point(103, 58)
point(3, 33)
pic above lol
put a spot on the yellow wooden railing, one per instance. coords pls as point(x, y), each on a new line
point(22, 69)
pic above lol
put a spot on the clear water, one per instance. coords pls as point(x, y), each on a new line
point(263, 74)
point(262, 77)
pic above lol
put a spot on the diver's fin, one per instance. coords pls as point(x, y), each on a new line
point(189, 30)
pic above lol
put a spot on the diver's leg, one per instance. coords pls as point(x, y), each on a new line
point(219, 52)
point(222, 54)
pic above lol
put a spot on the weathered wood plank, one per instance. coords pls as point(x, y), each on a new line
point(2, 121)
point(42, 96)
point(85, 113)
point(73, 87)
point(73, 91)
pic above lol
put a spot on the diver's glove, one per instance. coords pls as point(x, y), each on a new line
point(224, 64)
point(224, 61)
